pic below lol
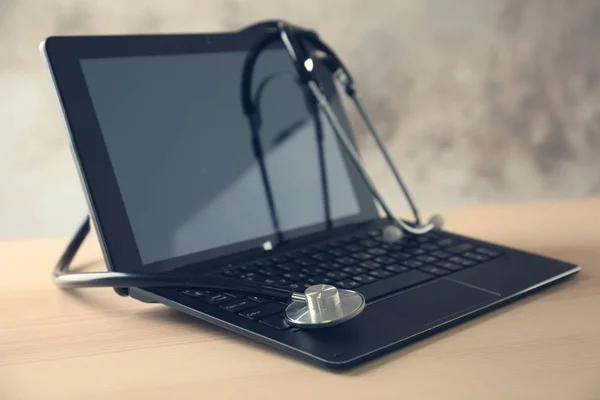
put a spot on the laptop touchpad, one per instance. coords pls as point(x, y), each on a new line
point(393, 319)
point(434, 302)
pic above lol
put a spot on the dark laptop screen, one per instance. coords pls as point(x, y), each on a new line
point(180, 147)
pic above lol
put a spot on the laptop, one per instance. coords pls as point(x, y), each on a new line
point(165, 157)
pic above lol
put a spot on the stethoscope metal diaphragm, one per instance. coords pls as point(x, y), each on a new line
point(323, 305)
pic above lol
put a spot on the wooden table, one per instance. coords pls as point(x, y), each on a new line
point(93, 344)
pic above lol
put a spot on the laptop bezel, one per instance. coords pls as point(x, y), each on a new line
point(63, 55)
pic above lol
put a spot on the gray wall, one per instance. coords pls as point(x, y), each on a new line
point(480, 101)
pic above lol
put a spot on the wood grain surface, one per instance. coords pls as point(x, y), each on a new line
point(90, 343)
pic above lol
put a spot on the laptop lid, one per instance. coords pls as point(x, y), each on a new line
point(165, 154)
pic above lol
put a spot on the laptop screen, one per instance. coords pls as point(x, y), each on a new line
point(181, 150)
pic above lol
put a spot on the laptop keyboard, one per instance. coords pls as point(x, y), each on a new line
point(361, 262)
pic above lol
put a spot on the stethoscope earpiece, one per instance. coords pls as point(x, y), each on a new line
point(437, 221)
point(393, 233)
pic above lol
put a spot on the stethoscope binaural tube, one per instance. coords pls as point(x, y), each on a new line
point(294, 39)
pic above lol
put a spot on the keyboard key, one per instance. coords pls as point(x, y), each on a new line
point(264, 263)
point(362, 256)
point(339, 252)
point(426, 258)
point(441, 254)
point(385, 245)
point(394, 284)
point(330, 265)
point(321, 247)
point(277, 281)
point(260, 300)
point(270, 272)
point(280, 258)
point(417, 251)
point(353, 247)
point(362, 235)
point(365, 278)
point(374, 233)
point(295, 286)
point(236, 295)
point(384, 260)
point(395, 268)
point(276, 321)
point(323, 256)
point(200, 294)
point(460, 248)
point(299, 253)
point(346, 240)
point(231, 273)
point(253, 276)
point(315, 280)
point(369, 243)
point(412, 263)
point(435, 235)
point(446, 242)
point(304, 285)
point(434, 270)
point(312, 270)
point(217, 298)
point(488, 252)
point(476, 256)
point(336, 275)
point(353, 270)
point(449, 265)
point(429, 246)
point(462, 261)
point(248, 267)
point(345, 260)
point(293, 276)
point(369, 264)
point(263, 311)
point(377, 251)
point(380, 273)
point(239, 305)
point(424, 239)
point(305, 262)
point(288, 267)
point(401, 256)
point(409, 243)
point(347, 284)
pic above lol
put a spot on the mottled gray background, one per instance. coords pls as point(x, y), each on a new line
point(480, 101)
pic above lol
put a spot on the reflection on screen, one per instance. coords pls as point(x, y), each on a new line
point(181, 150)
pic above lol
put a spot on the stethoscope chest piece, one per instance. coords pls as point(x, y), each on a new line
point(324, 305)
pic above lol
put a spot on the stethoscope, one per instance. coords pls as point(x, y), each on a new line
point(320, 305)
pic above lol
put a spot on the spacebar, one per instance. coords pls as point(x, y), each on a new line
point(393, 284)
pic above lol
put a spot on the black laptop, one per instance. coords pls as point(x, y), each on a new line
point(165, 156)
